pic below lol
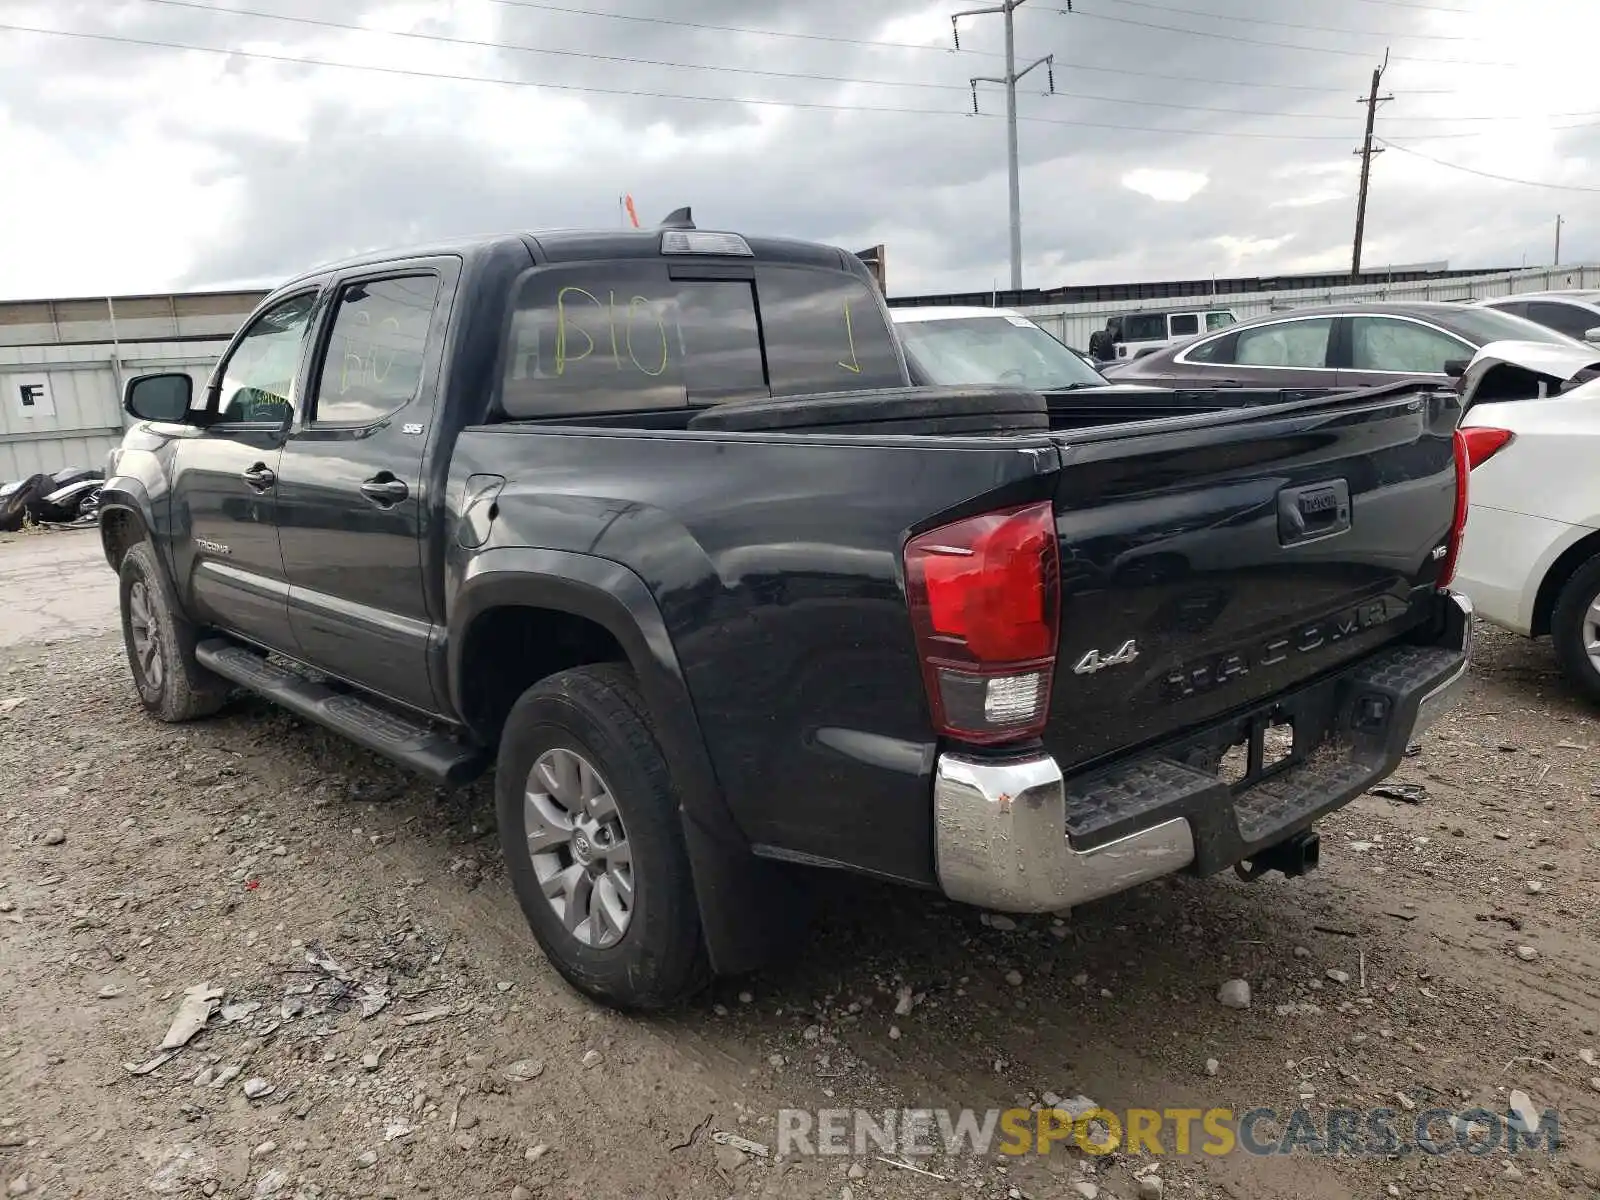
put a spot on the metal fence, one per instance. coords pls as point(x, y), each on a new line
point(62, 403)
point(1073, 323)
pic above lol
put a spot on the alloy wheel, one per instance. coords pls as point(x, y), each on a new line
point(579, 847)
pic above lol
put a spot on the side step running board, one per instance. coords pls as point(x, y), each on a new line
point(405, 739)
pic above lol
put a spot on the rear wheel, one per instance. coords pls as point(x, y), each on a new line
point(589, 828)
point(160, 641)
point(1575, 628)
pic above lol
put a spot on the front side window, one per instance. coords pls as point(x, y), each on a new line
point(1302, 344)
point(1403, 347)
point(373, 364)
point(258, 380)
point(1219, 320)
point(825, 332)
point(1563, 318)
point(999, 350)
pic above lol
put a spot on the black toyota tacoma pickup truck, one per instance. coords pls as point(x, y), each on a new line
point(653, 524)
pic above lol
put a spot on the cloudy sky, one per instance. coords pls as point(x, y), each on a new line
point(1187, 137)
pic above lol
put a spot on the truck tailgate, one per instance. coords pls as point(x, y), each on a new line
point(1209, 567)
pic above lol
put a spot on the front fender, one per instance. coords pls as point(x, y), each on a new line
point(124, 498)
point(746, 905)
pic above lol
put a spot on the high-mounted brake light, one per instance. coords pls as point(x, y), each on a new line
point(1458, 523)
point(985, 606)
point(704, 241)
point(1484, 442)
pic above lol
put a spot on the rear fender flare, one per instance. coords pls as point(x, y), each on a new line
point(735, 890)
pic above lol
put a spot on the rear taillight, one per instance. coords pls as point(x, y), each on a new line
point(1458, 524)
point(985, 598)
point(1483, 443)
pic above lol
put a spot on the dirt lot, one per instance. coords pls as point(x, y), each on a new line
point(388, 1029)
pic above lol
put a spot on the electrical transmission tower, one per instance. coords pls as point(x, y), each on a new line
point(1009, 81)
point(1371, 100)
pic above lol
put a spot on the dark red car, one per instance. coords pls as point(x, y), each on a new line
point(1334, 347)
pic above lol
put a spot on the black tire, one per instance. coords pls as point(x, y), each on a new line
point(596, 712)
point(170, 681)
point(1567, 628)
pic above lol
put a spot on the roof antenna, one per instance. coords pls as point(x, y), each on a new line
point(678, 218)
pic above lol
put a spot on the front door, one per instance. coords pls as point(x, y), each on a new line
point(224, 486)
point(352, 496)
point(1387, 349)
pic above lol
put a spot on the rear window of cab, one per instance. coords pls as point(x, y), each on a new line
point(631, 336)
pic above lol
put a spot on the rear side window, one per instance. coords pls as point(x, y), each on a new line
point(825, 332)
point(1185, 324)
point(1300, 344)
point(624, 337)
point(1144, 327)
point(1213, 350)
point(373, 363)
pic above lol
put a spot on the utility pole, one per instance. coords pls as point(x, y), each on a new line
point(1558, 240)
point(1009, 82)
point(1371, 100)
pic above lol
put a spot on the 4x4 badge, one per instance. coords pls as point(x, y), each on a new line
point(1095, 661)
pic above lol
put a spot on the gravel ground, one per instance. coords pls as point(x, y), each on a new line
point(383, 1025)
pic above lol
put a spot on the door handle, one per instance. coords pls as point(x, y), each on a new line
point(384, 489)
point(260, 477)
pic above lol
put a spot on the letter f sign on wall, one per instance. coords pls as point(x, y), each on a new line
point(30, 396)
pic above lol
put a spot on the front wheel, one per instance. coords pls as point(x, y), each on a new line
point(160, 641)
point(589, 829)
point(1575, 628)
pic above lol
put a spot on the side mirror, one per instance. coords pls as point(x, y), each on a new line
point(164, 397)
point(1455, 368)
point(1592, 336)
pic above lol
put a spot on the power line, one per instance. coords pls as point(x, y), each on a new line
point(1470, 12)
point(748, 31)
point(594, 89)
point(473, 43)
point(1439, 162)
point(1372, 33)
point(1231, 37)
point(641, 93)
point(479, 44)
point(775, 33)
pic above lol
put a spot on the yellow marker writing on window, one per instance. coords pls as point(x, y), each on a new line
point(563, 325)
point(854, 365)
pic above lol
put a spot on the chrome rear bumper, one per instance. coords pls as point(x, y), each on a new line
point(1001, 826)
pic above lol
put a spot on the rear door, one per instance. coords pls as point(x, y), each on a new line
point(353, 506)
point(1210, 567)
point(1381, 349)
point(1292, 353)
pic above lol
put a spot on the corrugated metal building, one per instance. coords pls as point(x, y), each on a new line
point(62, 364)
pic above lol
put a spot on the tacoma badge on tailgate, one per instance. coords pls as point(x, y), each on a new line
point(1192, 679)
